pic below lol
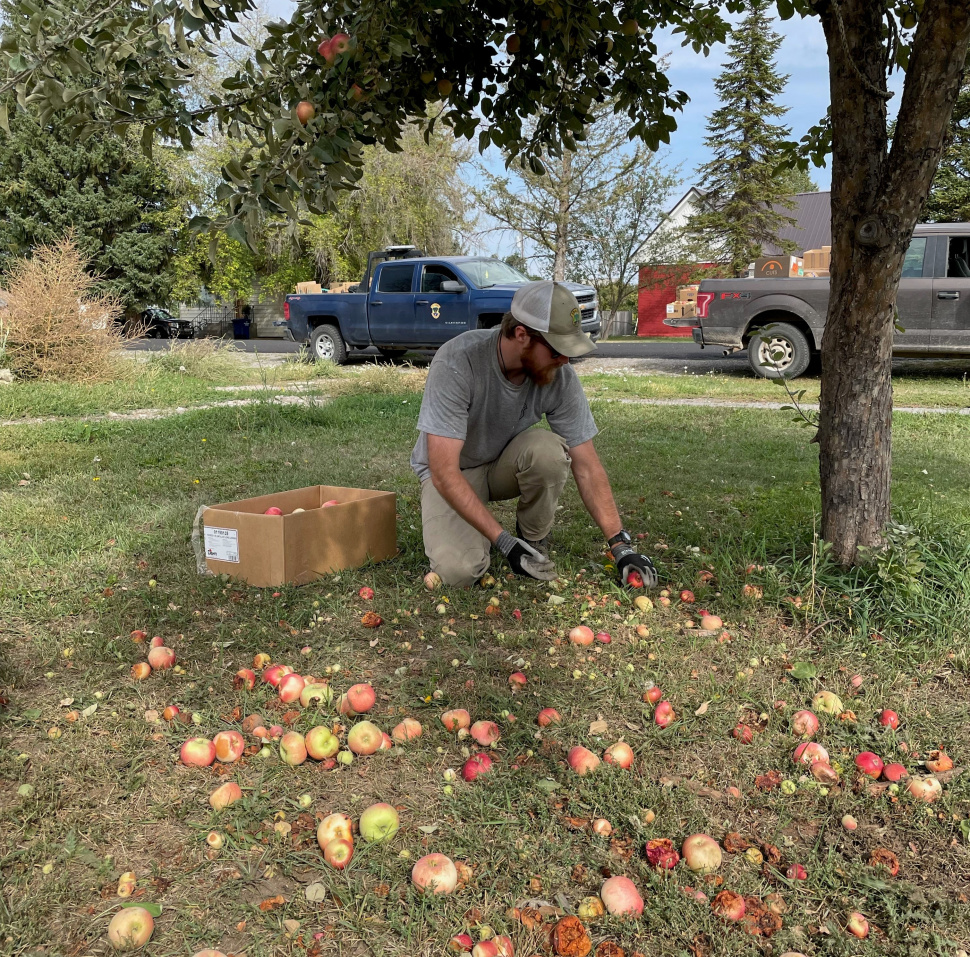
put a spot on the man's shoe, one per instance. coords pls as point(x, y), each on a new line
point(541, 546)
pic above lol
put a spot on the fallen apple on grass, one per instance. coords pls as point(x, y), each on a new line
point(229, 746)
point(406, 730)
point(130, 928)
point(796, 872)
point(548, 716)
point(293, 748)
point(653, 694)
point(366, 592)
point(316, 695)
point(141, 670)
point(273, 673)
point(810, 752)
point(664, 715)
point(198, 752)
point(485, 733)
point(888, 719)
point(338, 853)
point(517, 680)
point(824, 773)
point(361, 697)
point(620, 754)
point(224, 795)
point(701, 853)
point(728, 906)
point(581, 636)
point(215, 840)
point(869, 764)
point(711, 622)
point(161, 658)
point(804, 724)
point(334, 826)
point(364, 738)
point(460, 944)
point(290, 687)
point(894, 773)
point(827, 702)
point(939, 761)
point(621, 897)
point(245, 678)
point(857, 925)
point(582, 760)
point(927, 790)
point(379, 822)
point(434, 873)
point(475, 766)
point(662, 854)
point(456, 719)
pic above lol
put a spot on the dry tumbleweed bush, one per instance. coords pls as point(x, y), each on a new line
point(58, 326)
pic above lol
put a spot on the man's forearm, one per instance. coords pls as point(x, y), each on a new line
point(458, 493)
point(594, 489)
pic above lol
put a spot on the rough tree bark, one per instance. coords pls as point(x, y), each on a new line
point(877, 198)
point(562, 222)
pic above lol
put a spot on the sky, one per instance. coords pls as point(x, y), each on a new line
point(802, 55)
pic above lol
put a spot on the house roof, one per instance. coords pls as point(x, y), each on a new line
point(813, 222)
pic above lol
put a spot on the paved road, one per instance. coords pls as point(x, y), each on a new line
point(668, 356)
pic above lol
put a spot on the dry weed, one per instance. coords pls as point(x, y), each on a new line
point(58, 325)
point(212, 360)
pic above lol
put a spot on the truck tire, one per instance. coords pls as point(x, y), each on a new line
point(326, 343)
point(392, 354)
point(779, 350)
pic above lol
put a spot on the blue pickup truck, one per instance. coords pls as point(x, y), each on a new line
point(407, 300)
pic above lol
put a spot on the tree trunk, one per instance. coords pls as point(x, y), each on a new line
point(562, 220)
point(877, 197)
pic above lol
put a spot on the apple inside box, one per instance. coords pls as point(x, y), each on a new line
point(300, 546)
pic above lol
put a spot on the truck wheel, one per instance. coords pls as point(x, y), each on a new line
point(779, 350)
point(392, 354)
point(326, 343)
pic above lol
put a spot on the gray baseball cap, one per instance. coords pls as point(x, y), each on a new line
point(551, 309)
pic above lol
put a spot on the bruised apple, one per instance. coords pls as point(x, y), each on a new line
point(485, 733)
point(548, 716)
point(224, 795)
point(406, 730)
point(620, 754)
point(229, 746)
point(434, 873)
point(621, 897)
point(456, 719)
point(582, 760)
point(198, 752)
point(701, 853)
point(130, 928)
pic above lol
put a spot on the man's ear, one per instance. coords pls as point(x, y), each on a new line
point(522, 335)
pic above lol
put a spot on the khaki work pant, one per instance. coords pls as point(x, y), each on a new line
point(533, 467)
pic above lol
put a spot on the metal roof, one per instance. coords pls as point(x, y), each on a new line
point(812, 229)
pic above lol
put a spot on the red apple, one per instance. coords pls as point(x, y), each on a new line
point(361, 698)
point(460, 944)
point(324, 49)
point(229, 746)
point(170, 712)
point(894, 773)
point(662, 854)
point(869, 763)
point(293, 748)
point(330, 504)
point(406, 730)
point(273, 510)
point(548, 716)
point(334, 826)
point(888, 719)
point(701, 853)
point(925, 789)
point(305, 111)
point(366, 592)
point(339, 44)
point(224, 795)
point(728, 906)
point(485, 733)
point(711, 622)
point(810, 752)
point(141, 670)
point(338, 853)
point(130, 928)
point(387, 742)
point(364, 738)
point(581, 760)
point(653, 694)
point(273, 673)
point(857, 925)
point(621, 897)
point(161, 658)
point(456, 719)
point(687, 596)
point(291, 687)
point(804, 724)
point(198, 752)
point(796, 872)
point(620, 754)
point(477, 764)
point(157, 642)
point(434, 873)
point(664, 715)
point(581, 635)
point(517, 680)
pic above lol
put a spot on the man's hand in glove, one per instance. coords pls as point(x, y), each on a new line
point(630, 562)
point(524, 559)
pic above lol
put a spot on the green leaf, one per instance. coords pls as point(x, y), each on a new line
point(154, 909)
point(803, 671)
point(548, 785)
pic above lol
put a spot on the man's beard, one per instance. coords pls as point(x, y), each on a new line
point(540, 377)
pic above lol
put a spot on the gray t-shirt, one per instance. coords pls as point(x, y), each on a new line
point(467, 397)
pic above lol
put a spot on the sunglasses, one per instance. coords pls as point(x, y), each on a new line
point(552, 352)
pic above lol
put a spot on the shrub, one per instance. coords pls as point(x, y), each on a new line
point(58, 326)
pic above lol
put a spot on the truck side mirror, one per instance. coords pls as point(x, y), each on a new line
point(450, 285)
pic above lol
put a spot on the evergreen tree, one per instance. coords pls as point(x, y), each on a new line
point(117, 204)
point(949, 199)
point(737, 215)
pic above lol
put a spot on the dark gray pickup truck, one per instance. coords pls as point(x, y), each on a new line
point(780, 321)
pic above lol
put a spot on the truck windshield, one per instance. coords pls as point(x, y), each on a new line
point(491, 272)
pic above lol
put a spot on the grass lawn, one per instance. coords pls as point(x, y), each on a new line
point(95, 544)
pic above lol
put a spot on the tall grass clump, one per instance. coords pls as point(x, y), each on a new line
point(59, 326)
point(211, 360)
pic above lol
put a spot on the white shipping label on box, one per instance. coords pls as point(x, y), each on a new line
point(222, 544)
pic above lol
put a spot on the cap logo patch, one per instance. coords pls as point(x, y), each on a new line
point(576, 316)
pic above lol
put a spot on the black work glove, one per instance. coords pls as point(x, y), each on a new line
point(628, 560)
point(524, 559)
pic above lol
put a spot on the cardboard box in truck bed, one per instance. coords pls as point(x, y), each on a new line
point(299, 546)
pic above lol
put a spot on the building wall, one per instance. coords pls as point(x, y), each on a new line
point(658, 286)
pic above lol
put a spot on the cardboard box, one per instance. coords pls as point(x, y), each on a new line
point(271, 550)
point(308, 288)
point(687, 293)
point(342, 287)
point(816, 274)
point(816, 259)
point(778, 267)
point(680, 309)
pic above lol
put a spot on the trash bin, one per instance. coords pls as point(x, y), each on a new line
point(240, 328)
